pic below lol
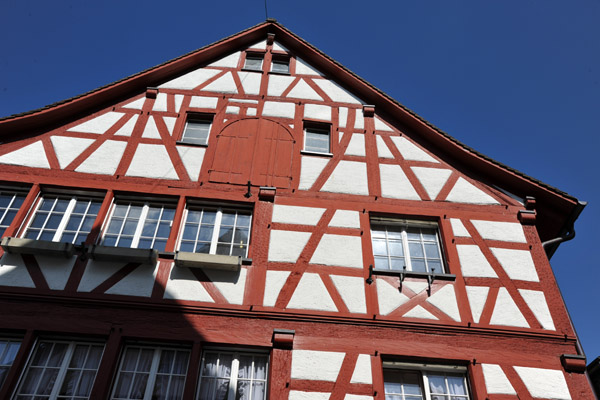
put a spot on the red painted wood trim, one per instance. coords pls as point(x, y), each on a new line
point(108, 364)
point(115, 278)
point(193, 372)
point(35, 272)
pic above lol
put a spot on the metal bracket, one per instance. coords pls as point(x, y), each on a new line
point(430, 279)
point(370, 278)
point(248, 193)
point(402, 276)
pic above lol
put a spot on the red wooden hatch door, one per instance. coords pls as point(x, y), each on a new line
point(255, 150)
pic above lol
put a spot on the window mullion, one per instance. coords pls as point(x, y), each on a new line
point(406, 249)
point(426, 386)
point(43, 227)
point(235, 366)
point(63, 222)
point(152, 374)
point(138, 230)
point(215, 237)
point(62, 372)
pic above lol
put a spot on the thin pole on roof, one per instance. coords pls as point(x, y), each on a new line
point(266, 12)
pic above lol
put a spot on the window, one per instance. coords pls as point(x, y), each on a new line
point(197, 131)
point(151, 373)
point(411, 244)
point(281, 65)
point(60, 370)
point(8, 352)
point(227, 375)
point(253, 62)
point(63, 219)
point(139, 225)
point(316, 140)
point(216, 231)
point(9, 206)
point(436, 383)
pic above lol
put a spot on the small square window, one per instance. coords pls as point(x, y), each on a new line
point(399, 244)
point(10, 202)
point(317, 140)
point(196, 131)
point(281, 66)
point(253, 62)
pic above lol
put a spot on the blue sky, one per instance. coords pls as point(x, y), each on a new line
point(516, 80)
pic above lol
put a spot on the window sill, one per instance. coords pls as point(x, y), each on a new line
point(179, 142)
point(315, 153)
point(109, 253)
point(31, 246)
point(211, 261)
point(279, 73)
point(411, 274)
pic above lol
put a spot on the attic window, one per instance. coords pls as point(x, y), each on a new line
point(253, 62)
point(197, 130)
point(281, 65)
point(317, 139)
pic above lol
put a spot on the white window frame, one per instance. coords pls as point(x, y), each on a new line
point(427, 370)
point(235, 365)
point(192, 118)
point(4, 211)
point(405, 224)
point(317, 129)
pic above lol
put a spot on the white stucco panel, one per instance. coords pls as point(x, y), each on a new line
point(445, 300)
point(303, 91)
point(496, 381)
point(297, 215)
point(381, 126)
point(192, 158)
point(518, 264)
point(477, 296)
point(152, 161)
point(473, 262)
point(136, 104)
point(505, 231)
point(230, 61)
point(352, 291)
point(98, 125)
point(151, 130)
point(250, 81)
point(178, 101)
point(32, 155)
point(339, 250)
point(458, 228)
point(183, 285)
point(286, 246)
point(419, 312)
point(311, 294)
point(299, 395)
point(97, 272)
point(336, 92)
point(273, 284)
point(316, 365)
point(432, 179)
point(317, 111)
point(382, 149)
point(348, 177)
point(417, 286)
point(345, 219)
point(395, 184)
point(127, 129)
point(303, 68)
point(138, 282)
point(359, 119)
point(310, 170)
point(388, 297)
point(464, 192)
point(190, 80)
point(544, 383)
point(232, 110)
point(279, 109)
point(160, 104)
point(356, 146)
point(230, 284)
point(203, 102)
point(170, 123)
point(56, 270)
point(362, 370)
point(536, 301)
point(68, 148)
point(357, 397)
point(224, 84)
point(342, 117)
point(411, 151)
point(278, 84)
point(105, 159)
point(279, 47)
point(506, 311)
point(13, 272)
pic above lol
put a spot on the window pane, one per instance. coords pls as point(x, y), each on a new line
point(281, 66)
point(316, 140)
point(253, 62)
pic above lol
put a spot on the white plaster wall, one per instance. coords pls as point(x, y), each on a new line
point(342, 117)
point(432, 179)
point(336, 92)
point(105, 159)
point(536, 301)
point(273, 284)
point(317, 111)
point(232, 110)
point(190, 80)
point(419, 312)
point(279, 47)
point(279, 109)
point(299, 395)
point(388, 297)
point(311, 294)
point(465, 192)
point(339, 250)
point(56, 270)
point(505, 231)
point(230, 61)
point(170, 123)
point(152, 161)
point(352, 291)
point(303, 68)
point(260, 45)
point(357, 397)
point(68, 148)
point(286, 246)
point(192, 158)
point(203, 102)
point(138, 282)
point(477, 296)
point(445, 300)
point(224, 84)
point(316, 365)
point(251, 111)
point(310, 170)
point(518, 264)
point(362, 370)
point(417, 286)
point(506, 311)
point(32, 155)
point(178, 101)
point(230, 284)
point(297, 215)
point(496, 381)
point(98, 125)
point(345, 219)
point(250, 81)
point(395, 184)
point(303, 91)
point(97, 272)
point(127, 129)
point(151, 130)
point(278, 84)
point(544, 383)
point(13, 272)
point(473, 262)
point(356, 146)
point(160, 104)
point(458, 228)
point(380, 125)
point(136, 104)
point(348, 177)
point(183, 285)
point(382, 150)
point(359, 119)
point(411, 151)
